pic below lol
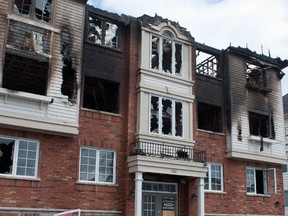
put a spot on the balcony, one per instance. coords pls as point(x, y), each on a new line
point(165, 158)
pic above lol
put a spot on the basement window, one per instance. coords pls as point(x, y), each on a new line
point(166, 116)
point(166, 54)
point(102, 32)
point(207, 64)
point(25, 74)
point(261, 125)
point(18, 157)
point(100, 94)
point(261, 181)
point(34, 9)
point(209, 117)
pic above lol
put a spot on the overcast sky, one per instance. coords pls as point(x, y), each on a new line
point(260, 25)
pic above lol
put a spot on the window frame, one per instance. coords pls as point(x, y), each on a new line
point(96, 177)
point(32, 14)
point(104, 21)
point(265, 182)
point(270, 131)
point(208, 179)
point(160, 116)
point(16, 158)
point(162, 37)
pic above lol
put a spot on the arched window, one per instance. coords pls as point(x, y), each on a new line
point(166, 54)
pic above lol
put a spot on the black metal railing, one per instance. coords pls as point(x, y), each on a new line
point(165, 150)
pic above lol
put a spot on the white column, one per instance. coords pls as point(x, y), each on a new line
point(138, 193)
point(201, 204)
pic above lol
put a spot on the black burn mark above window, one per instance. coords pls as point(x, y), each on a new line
point(209, 117)
point(103, 32)
point(34, 9)
point(261, 125)
point(69, 79)
point(101, 94)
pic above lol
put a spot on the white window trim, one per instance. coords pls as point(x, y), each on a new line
point(264, 183)
point(97, 167)
point(160, 49)
point(15, 159)
point(160, 116)
point(209, 179)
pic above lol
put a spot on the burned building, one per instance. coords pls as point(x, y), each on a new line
point(118, 115)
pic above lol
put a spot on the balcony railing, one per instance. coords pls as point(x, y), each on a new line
point(165, 150)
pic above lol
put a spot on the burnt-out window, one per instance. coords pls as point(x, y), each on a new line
point(207, 64)
point(34, 9)
point(166, 116)
point(25, 74)
point(166, 54)
point(209, 117)
point(18, 157)
point(256, 76)
point(261, 125)
point(100, 94)
point(103, 32)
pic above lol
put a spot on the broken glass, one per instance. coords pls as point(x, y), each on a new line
point(111, 35)
point(6, 156)
point(95, 30)
point(22, 7)
point(155, 53)
point(167, 116)
point(167, 55)
point(43, 10)
point(178, 59)
point(255, 75)
point(154, 115)
point(178, 119)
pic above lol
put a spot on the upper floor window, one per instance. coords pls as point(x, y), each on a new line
point(214, 179)
point(261, 125)
point(166, 54)
point(18, 157)
point(166, 116)
point(100, 94)
point(209, 117)
point(103, 32)
point(207, 64)
point(256, 77)
point(97, 165)
point(34, 9)
point(261, 181)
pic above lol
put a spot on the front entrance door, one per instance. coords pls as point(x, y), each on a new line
point(159, 199)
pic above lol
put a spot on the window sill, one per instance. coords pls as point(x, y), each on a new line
point(101, 112)
point(25, 178)
point(265, 140)
point(119, 50)
point(256, 88)
point(213, 132)
point(33, 22)
point(258, 195)
point(24, 95)
point(97, 183)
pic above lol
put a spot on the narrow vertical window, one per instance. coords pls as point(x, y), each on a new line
point(178, 119)
point(178, 59)
point(214, 178)
point(154, 115)
point(167, 55)
point(155, 52)
point(167, 116)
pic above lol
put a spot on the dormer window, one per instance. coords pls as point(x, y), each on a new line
point(166, 54)
point(34, 9)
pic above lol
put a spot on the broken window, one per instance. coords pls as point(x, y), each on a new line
point(103, 32)
point(97, 165)
point(166, 54)
point(34, 9)
point(25, 74)
point(166, 116)
point(209, 117)
point(18, 157)
point(207, 64)
point(256, 76)
point(261, 181)
point(261, 125)
point(100, 94)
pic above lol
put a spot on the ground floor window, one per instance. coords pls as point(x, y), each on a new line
point(214, 178)
point(19, 157)
point(261, 181)
point(97, 165)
